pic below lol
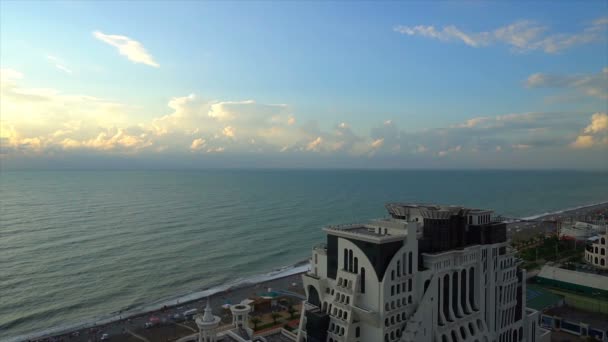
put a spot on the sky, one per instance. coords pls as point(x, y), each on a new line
point(440, 85)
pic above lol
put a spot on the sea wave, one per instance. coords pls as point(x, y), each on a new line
point(534, 217)
point(277, 273)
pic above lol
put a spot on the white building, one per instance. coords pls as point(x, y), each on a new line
point(429, 273)
point(596, 252)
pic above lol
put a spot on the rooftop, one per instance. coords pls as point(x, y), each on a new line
point(594, 319)
point(540, 299)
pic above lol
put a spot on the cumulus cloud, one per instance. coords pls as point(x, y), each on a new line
point(522, 35)
point(49, 122)
point(583, 141)
point(197, 144)
point(128, 47)
point(595, 134)
point(599, 123)
point(594, 85)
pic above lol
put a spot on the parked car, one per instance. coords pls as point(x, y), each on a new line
point(105, 337)
point(148, 325)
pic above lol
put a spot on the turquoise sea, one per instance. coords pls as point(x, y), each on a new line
point(79, 245)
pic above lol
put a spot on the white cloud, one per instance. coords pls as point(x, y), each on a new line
point(522, 35)
point(197, 144)
point(128, 47)
point(228, 131)
point(49, 122)
point(315, 145)
point(58, 64)
point(377, 143)
point(599, 123)
point(594, 85)
point(583, 141)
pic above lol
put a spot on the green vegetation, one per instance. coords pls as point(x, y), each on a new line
point(255, 320)
point(291, 311)
point(275, 315)
point(539, 249)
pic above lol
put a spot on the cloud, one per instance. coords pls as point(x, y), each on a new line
point(197, 144)
point(593, 85)
point(128, 47)
point(521, 35)
point(599, 123)
point(315, 145)
point(583, 141)
point(58, 64)
point(45, 122)
point(595, 134)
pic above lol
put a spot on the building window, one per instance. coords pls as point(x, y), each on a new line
point(357, 331)
point(345, 266)
point(409, 260)
point(362, 279)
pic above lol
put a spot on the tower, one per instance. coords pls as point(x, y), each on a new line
point(240, 315)
point(207, 325)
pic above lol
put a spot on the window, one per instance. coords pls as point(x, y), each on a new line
point(409, 260)
point(345, 266)
point(362, 280)
point(357, 331)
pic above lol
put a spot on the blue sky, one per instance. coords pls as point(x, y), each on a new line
point(397, 84)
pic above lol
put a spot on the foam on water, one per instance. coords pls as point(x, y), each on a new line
point(77, 245)
point(101, 320)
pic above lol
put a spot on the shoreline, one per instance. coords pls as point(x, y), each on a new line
point(271, 279)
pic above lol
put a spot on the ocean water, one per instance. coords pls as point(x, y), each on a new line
point(79, 245)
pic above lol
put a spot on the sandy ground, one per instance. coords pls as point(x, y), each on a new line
point(132, 329)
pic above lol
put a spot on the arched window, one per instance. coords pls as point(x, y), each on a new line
point(345, 259)
point(350, 260)
point(603, 251)
point(603, 241)
point(602, 262)
point(356, 264)
point(357, 331)
point(596, 261)
point(362, 280)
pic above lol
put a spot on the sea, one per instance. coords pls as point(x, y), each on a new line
point(85, 246)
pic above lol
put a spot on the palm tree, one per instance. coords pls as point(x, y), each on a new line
point(255, 320)
point(275, 315)
point(291, 311)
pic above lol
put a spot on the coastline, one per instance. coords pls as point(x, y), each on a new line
point(238, 289)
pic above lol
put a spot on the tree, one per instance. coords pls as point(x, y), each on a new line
point(275, 315)
point(292, 311)
point(255, 320)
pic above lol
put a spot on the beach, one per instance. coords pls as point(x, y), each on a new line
point(130, 326)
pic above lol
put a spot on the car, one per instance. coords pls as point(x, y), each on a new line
point(105, 337)
point(148, 325)
point(177, 317)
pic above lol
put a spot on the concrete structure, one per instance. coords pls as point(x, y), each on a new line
point(207, 325)
point(578, 230)
point(596, 253)
point(576, 281)
point(576, 322)
point(428, 273)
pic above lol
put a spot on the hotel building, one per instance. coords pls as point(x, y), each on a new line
point(596, 252)
point(427, 273)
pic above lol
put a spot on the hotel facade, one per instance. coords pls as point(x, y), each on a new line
point(428, 273)
point(596, 252)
